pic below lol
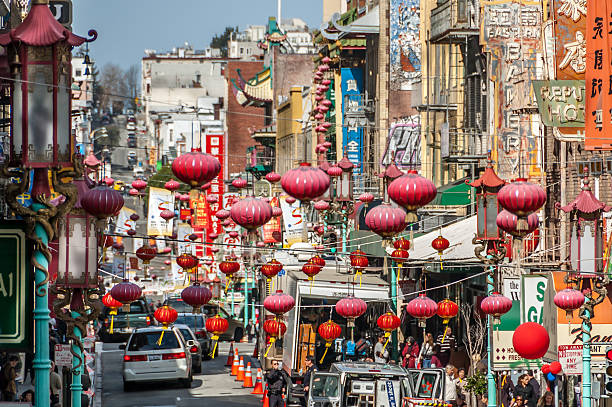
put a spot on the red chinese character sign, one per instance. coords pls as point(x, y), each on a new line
point(215, 147)
point(598, 76)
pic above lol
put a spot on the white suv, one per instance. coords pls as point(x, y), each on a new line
point(145, 360)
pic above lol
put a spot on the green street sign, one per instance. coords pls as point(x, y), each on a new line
point(16, 288)
point(561, 103)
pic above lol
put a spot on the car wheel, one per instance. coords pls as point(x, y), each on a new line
point(127, 387)
point(238, 334)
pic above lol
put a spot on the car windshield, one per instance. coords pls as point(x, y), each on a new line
point(195, 322)
point(142, 341)
point(135, 308)
point(186, 334)
point(325, 386)
point(179, 305)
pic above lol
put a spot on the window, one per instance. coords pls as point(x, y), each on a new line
point(78, 72)
point(187, 334)
point(195, 322)
point(325, 386)
point(135, 308)
point(149, 341)
point(427, 384)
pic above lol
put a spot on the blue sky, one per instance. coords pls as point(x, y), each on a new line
point(127, 27)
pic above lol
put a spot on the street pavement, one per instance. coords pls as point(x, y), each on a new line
point(214, 387)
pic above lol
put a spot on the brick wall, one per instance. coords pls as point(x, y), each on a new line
point(239, 119)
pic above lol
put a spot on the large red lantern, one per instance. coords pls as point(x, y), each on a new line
point(521, 198)
point(422, 308)
point(401, 243)
point(251, 213)
point(229, 267)
point(113, 305)
point(530, 340)
point(279, 303)
point(126, 292)
point(496, 305)
point(102, 202)
point(569, 300)
point(196, 168)
point(388, 322)
point(271, 269)
point(508, 222)
point(447, 309)
point(311, 270)
point(165, 315)
point(329, 331)
point(351, 308)
point(385, 220)
point(305, 183)
point(412, 192)
point(196, 296)
point(400, 256)
point(217, 326)
point(187, 261)
point(274, 329)
point(146, 253)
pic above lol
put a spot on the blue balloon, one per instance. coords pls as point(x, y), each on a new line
point(551, 377)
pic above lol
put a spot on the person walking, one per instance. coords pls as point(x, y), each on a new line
point(463, 396)
point(518, 401)
point(507, 391)
point(381, 355)
point(8, 386)
point(446, 342)
point(55, 385)
point(525, 391)
point(276, 385)
point(410, 353)
point(547, 400)
point(310, 368)
point(426, 351)
point(450, 389)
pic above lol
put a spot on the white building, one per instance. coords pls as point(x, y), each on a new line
point(82, 98)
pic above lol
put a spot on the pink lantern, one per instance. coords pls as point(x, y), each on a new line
point(167, 214)
point(385, 220)
point(251, 213)
point(239, 183)
point(334, 171)
point(412, 192)
point(305, 182)
point(496, 305)
point(569, 300)
point(172, 185)
point(222, 214)
point(366, 197)
point(195, 168)
point(422, 308)
point(279, 303)
point(139, 185)
point(321, 206)
point(351, 308)
point(276, 212)
point(273, 177)
point(521, 198)
point(212, 199)
point(508, 222)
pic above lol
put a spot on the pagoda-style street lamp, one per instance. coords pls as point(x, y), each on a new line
point(586, 248)
point(39, 51)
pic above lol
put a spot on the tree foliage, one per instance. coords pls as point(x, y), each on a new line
point(220, 40)
point(476, 383)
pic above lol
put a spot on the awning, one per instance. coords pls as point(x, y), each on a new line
point(455, 194)
point(459, 235)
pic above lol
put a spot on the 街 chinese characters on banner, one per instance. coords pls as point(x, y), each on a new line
point(598, 76)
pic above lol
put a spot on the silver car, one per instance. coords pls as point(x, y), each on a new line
point(146, 359)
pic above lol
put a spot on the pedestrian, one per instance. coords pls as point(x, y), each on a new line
point(484, 400)
point(525, 391)
point(446, 342)
point(55, 385)
point(547, 400)
point(250, 331)
point(29, 367)
point(426, 351)
point(435, 360)
point(27, 397)
point(381, 355)
point(450, 389)
point(86, 383)
point(507, 391)
point(534, 383)
point(276, 385)
point(7, 379)
point(462, 394)
point(310, 367)
point(518, 401)
point(410, 353)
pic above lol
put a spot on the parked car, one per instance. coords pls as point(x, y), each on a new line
point(196, 323)
point(195, 349)
point(147, 359)
point(138, 315)
point(235, 331)
point(131, 142)
point(130, 126)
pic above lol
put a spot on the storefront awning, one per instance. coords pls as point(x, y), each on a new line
point(459, 235)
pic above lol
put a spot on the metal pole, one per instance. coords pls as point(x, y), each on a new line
point(253, 319)
point(491, 389)
point(394, 353)
point(232, 310)
point(76, 388)
point(246, 297)
point(41, 363)
point(586, 359)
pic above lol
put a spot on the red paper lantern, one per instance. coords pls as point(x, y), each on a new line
point(447, 309)
point(251, 213)
point(139, 185)
point(146, 253)
point(508, 222)
point(422, 308)
point(108, 181)
point(311, 270)
point(440, 244)
point(276, 212)
point(217, 326)
point(102, 202)
point(329, 331)
point(412, 192)
point(530, 340)
point(521, 198)
point(172, 185)
point(401, 243)
point(366, 197)
point(496, 305)
point(167, 214)
point(388, 322)
point(555, 367)
point(222, 214)
point(239, 183)
point(322, 205)
point(290, 200)
point(318, 260)
point(400, 256)
point(165, 315)
point(196, 296)
point(279, 303)
point(187, 261)
point(569, 300)
point(385, 220)
point(271, 269)
point(212, 199)
point(305, 182)
point(359, 260)
point(273, 177)
point(334, 171)
point(126, 292)
point(110, 302)
point(233, 234)
point(274, 329)
point(351, 308)
point(229, 267)
point(196, 168)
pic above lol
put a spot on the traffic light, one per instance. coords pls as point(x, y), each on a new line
point(608, 378)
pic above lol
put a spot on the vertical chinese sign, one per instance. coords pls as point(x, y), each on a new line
point(231, 244)
point(352, 137)
point(511, 32)
point(214, 147)
point(272, 229)
point(598, 76)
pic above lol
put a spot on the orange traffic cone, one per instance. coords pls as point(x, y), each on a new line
point(240, 376)
point(230, 355)
point(235, 366)
point(248, 376)
point(258, 383)
point(265, 400)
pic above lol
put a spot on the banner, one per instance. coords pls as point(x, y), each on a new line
point(272, 229)
point(160, 199)
point(215, 147)
point(198, 205)
point(598, 76)
point(352, 100)
point(232, 244)
point(292, 219)
point(124, 223)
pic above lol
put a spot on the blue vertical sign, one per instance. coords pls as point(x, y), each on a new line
point(352, 137)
